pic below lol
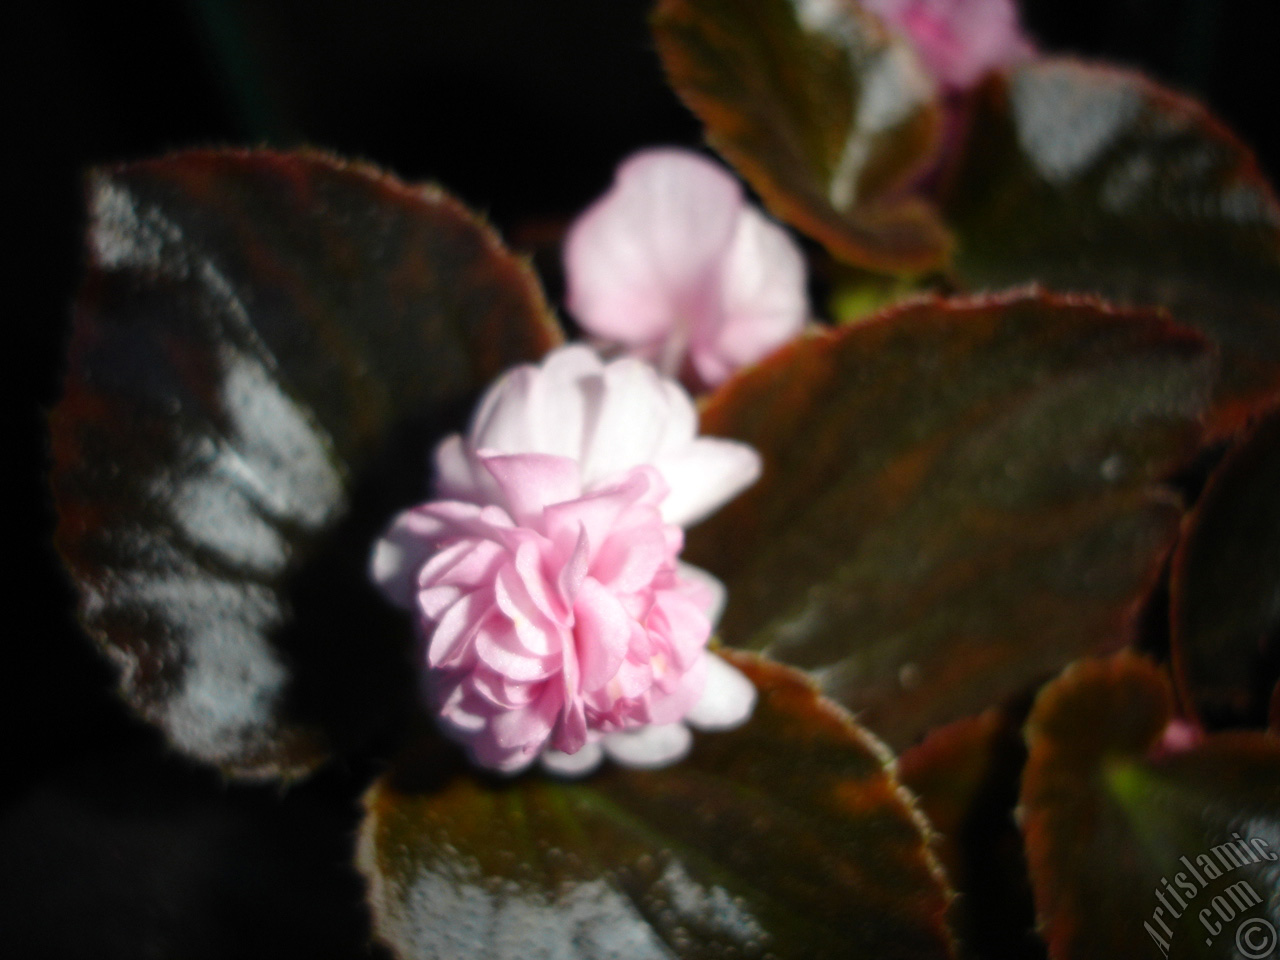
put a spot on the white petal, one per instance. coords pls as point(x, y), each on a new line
point(456, 475)
point(727, 700)
point(719, 595)
point(573, 764)
point(560, 397)
point(626, 422)
point(504, 421)
point(400, 553)
point(650, 747)
point(707, 474)
point(644, 255)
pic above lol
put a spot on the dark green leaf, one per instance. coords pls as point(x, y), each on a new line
point(1225, 620)
point(254, 330)
point(958, 498)
point(1109, 817)
point(785, 838)
point(1094, 180)
point(824, 112)
point(965, 776)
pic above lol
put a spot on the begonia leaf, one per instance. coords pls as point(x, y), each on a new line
point(1135, 850)
point(965, 777)
point(1225, 620)
point(787, 837)
point(1090, 179)
point(255, 329)
point(823, 111)
point(958, 498)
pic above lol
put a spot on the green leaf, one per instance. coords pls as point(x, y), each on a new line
point(966, 777)
point(787, 837)
point(1225, 621)
point(256, 329)
point(958, 498)
point(824, 112)
point(1109, 818)
point(1093, 180)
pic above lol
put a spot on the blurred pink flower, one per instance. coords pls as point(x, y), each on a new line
point(558, 620)
point(674, 266)
point(958, 41)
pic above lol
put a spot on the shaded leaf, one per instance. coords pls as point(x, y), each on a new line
point(254, 330)
point(1109, 818)
point(958, 498)
point(966, 776)
point(785, 838)
point(1225, 620)
point(824, 112)
point(1091, 179)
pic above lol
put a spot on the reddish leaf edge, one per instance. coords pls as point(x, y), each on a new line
point(899, 208)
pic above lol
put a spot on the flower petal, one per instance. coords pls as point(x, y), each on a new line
point(643, 258)
point(708, 473)
point(400, 553)
point(529, 482)
point(704, 589)
point(601, 632)
point(573, 764)
point(648, 748)
point(727, 700)
point(764, 300)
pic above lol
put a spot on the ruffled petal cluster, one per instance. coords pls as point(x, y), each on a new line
point(958, 41)
point(559, 623)
point(674, 266)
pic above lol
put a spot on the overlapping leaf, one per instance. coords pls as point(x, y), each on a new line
point(254, 330)
point(958, 498)
point(824, 112)
point(1094, 180)
point(1138, 852)
point(1226, 587)
point(785, 838)
point(966, 776)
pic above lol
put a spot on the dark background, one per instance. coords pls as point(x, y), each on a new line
point(108, 847)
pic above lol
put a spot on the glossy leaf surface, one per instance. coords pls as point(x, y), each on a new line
point(785, 838)
point(1226, 587)
point(254, 330)
point(824, 112)
point(957, 498)
point(1093, 180)
point(1109, 818)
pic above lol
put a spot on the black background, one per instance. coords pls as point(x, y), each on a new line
point(108, 847)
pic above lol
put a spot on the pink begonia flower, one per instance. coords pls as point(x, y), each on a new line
point(958, 41)
point(674, 266)
point(559, 623)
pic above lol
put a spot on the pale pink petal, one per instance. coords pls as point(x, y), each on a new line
point(573, 764)
point(727, 700)
point(628, 425)
point(763, 296)
point(704, 476)
point(505, 421)
point(529, 482)
point(457, 477)
point(640, 261)
point(601, 632)
point(568, 377)
point(399, 554)
point(707, 590)
point(458, 626)
point(648, 748)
